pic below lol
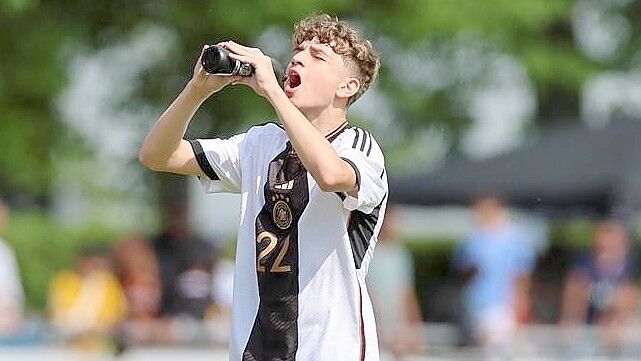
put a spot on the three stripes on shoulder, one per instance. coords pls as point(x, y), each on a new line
point(362, 140)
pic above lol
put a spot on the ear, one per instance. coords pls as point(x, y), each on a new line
point(348, 88)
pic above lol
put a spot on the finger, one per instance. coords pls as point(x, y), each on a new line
point(235, 48)
point(240, 81)
point(245, 59)
point(246, 48)
point(199, 65)
point(238, 78)
point(241, 50)
point(233, 80)
point(202, 52)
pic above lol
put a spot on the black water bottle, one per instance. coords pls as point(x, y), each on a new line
point(216, 60)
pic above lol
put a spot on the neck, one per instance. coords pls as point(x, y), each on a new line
point(327, 119)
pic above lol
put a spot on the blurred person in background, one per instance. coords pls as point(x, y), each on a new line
point(223, 282)
point(139, 274)
point(87, 303)
point(391, 283)
point(602, 287)
point(11, 293)
point(219, 314)
point(186, 267)
point(495, 260)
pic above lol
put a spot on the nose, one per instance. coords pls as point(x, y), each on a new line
point(297, 59)
point(301, 56)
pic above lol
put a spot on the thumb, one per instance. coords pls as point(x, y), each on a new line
point(233, 80)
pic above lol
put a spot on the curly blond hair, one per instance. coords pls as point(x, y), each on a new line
point(357, 52)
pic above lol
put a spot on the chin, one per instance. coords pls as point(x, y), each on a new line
point(299, 102)
point(305, 104)
point(296, 101)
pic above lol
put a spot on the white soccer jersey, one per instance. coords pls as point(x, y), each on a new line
point(302, 254)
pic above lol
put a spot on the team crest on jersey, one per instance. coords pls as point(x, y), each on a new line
point(282, 215)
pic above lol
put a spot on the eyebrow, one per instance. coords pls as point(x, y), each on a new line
point(319, 49)
point(315, 47)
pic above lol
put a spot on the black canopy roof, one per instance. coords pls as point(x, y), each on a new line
point(571, 166)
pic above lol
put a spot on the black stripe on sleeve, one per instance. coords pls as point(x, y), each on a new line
point(358, 173)
point(369, 149)
point(201, 158)
point(365, 138)
point(358, 134)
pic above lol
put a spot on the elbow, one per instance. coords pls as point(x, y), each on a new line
point(147, 160)
point(329, 182)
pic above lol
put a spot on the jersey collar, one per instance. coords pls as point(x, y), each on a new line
point(334, 133)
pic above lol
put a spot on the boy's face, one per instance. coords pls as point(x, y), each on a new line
point(317, 76)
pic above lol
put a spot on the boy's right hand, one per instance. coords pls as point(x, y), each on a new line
point(205, 83)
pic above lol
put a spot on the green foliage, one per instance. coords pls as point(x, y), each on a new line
point(39, 38)
point(574, 235)
point(44, 247)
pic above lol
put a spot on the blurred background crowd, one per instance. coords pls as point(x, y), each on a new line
point(510, 129)
point(172, 288)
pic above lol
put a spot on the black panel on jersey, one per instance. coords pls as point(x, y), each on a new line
point(274, 335)
point(201, 158)
point(360, 230)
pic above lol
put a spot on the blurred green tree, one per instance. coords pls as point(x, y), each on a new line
point(38, 38)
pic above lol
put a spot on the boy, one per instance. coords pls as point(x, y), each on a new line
point(313, 196)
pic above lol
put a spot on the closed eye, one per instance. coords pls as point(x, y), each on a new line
point(316, 54)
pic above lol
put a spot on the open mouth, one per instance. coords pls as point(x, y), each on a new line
point(293, 79)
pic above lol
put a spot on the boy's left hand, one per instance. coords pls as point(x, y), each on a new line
point(263, 80)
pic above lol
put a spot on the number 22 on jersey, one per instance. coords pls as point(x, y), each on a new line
point(262, 264)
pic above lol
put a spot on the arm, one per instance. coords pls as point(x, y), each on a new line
point(412, 308)
point(522, 298)
point(164, 148)
point(331, 172)
point(575, 298)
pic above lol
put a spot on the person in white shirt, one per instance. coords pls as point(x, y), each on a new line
point(11, 294)
point(313, 194)
point(391, 284)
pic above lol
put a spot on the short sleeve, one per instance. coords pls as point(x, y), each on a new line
point(527, 259)
point(461, 260)
point(219, 160)
point(360, 150)
point(525, 255)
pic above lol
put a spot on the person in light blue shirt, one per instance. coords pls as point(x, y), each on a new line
point(495, 260)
